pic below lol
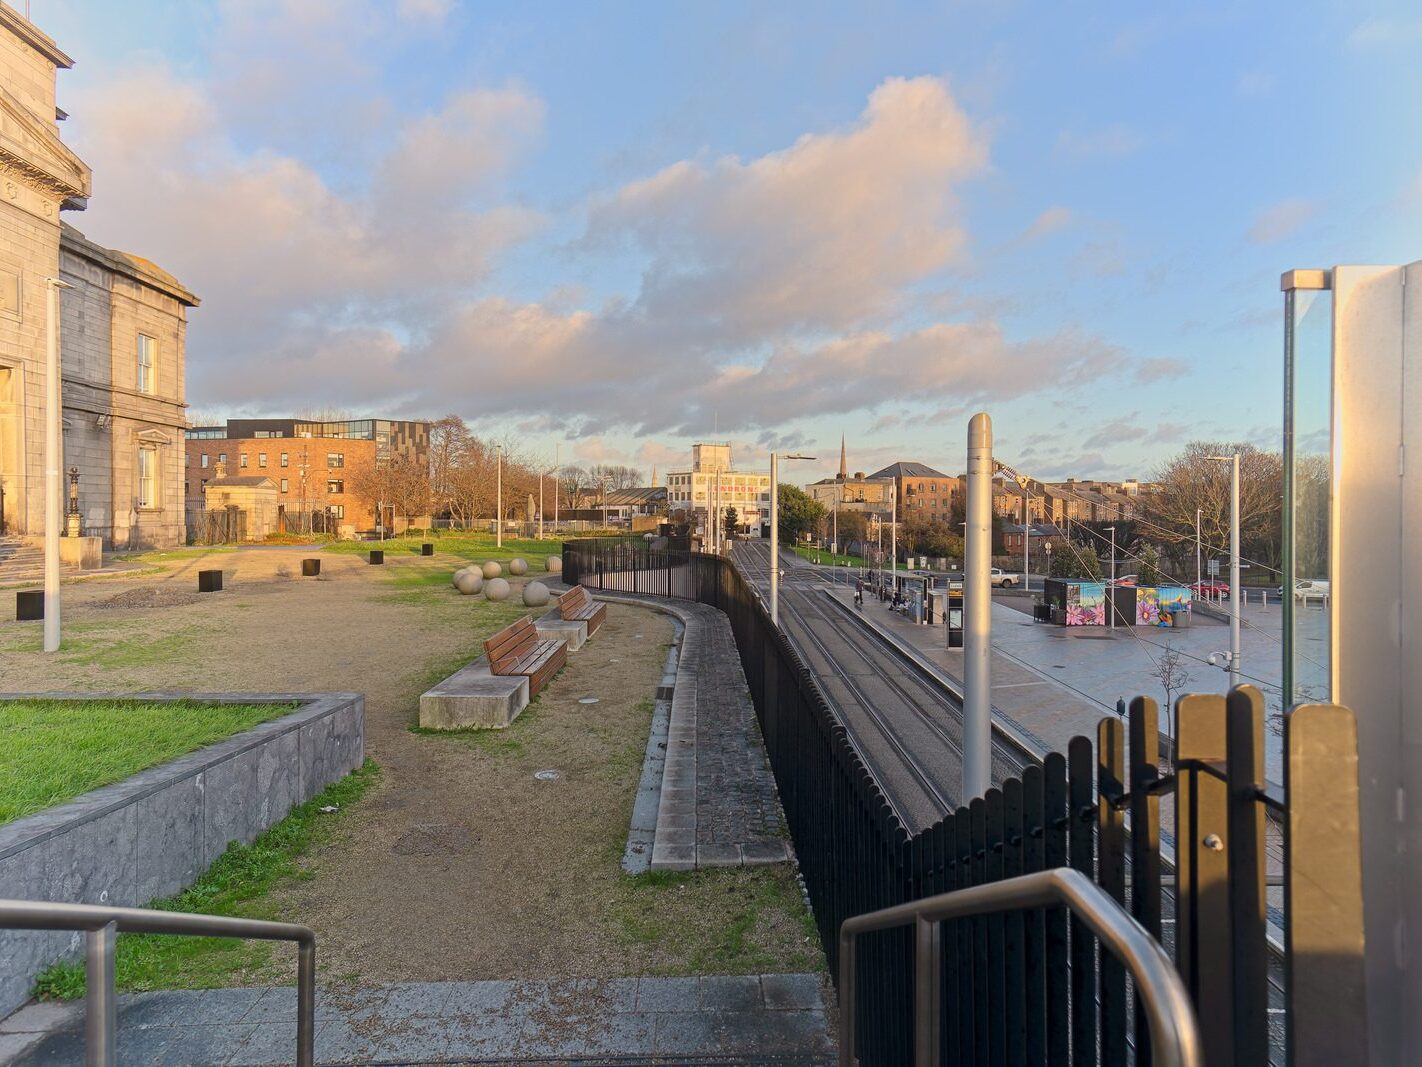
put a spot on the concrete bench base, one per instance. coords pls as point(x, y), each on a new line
point(552, 627)
point(474, 698)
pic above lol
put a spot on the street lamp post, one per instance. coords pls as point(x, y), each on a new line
point(1111, 585)
point(556, 487)
point(977, 612)
point(499, 499)
point(1234, 589)
point(775, 533)
point(1197, 551)
point(53, 462)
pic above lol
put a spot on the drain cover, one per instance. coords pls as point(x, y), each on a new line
point(587, 700)
point(548, 775)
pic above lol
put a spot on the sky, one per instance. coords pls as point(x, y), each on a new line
point(616, 229)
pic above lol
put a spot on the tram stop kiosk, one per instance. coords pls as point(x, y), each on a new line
point(955, 615)
point(1353, 520)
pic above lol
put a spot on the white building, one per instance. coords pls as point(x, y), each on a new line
point(713, 483)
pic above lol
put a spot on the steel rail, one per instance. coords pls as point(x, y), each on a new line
point(1175, 1037)
point(102, 924)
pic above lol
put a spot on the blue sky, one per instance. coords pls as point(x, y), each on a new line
point(624, 227)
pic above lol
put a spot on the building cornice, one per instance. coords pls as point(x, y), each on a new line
point(141, 270)
point(31, 34)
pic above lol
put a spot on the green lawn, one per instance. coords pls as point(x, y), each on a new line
point(55, 750)
point(237, 884)
point(467, 543)
point(820, 555)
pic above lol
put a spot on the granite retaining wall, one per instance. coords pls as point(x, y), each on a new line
point(152, 835)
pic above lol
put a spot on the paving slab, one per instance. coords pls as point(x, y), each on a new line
point(750, 1018)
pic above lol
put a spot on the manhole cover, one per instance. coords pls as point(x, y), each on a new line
point(587, 700)
point(548, 775)
point(434, 839)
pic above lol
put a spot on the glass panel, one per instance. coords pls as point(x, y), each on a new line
point(1308, 460)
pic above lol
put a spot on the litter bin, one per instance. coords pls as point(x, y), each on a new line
point(1041, 613)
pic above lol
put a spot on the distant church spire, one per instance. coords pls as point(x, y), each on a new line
point(843, 466)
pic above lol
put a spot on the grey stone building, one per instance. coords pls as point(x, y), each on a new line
point(122, 329)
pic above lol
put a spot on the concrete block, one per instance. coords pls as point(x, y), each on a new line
point(474, 697)
point(86, 553)
point(555, 629)
point(168, 855)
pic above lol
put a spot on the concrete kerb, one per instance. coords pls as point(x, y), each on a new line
point(154, 833)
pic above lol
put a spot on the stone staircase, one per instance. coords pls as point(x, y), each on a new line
point(21, 562)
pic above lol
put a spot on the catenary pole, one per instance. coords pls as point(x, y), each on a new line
point(977, 612)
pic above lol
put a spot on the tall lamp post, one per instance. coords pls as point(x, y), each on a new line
point(775, 533)
point(53, 462)
point(499, 499)
point(977, 611)
point(1111, 585)
point(1234, 590)
point(1197, 551)
point(556, 488)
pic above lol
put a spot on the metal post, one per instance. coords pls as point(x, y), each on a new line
point(894, 534)
point(101, 1008)
point(306, 1004)
point(556, 480)
point(775, 538)
point(1027, 543)
point(53, 461)
point(977, 612)
point(1197, 551)
point(1111, 585)
point(1234, 588)
point(499, 500)
point(540, 505)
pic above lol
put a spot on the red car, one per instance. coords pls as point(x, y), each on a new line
point(1210, 588)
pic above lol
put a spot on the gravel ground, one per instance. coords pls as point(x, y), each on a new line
point(460, 865)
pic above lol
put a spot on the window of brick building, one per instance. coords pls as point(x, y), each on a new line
point(261, 459)
point(147, 477)
point(222, 457)
point(335, 459)
point(335, 485)
point(202, 460)
point(285, 462)
point(242, 459)
point(147, 364)
point(285, 485)
point(338, 511)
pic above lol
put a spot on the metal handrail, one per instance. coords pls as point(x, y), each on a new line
point(103, 924)
point(1174, 1035)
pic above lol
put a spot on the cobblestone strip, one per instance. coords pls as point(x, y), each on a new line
point(642, 833)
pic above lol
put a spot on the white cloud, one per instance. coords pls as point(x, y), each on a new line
point(1048, 222)
point(1109, 142)
point(824, 233)
point(1385, 32)
point(426, 11)
point(1281, 220)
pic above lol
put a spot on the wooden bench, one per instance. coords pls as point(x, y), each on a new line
point(576, 606)
point(516, 649)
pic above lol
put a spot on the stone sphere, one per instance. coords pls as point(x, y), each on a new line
point(455, 577)
point(536, 595)
point(554, 564)
point(518, 566)
point(469, 582)
point(648, 536)
point(496, 589)
point(492, 569)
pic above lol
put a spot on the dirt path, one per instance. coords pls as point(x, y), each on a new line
point(461, 864)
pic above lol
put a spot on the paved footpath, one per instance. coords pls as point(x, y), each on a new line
point(717, 804)
point(750, 1019)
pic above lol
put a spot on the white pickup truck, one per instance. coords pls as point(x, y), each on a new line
point(1006, 579)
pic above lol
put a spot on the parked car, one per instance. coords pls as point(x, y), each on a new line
point(1210, 587)
point(1128, 579)
point(1006, 579)
point(1307, 588)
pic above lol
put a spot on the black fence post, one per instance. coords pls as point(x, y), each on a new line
point(1111, 874)
point(1244, 747)
point(1145, 838)
point(1081, 798)
point(1054, 824)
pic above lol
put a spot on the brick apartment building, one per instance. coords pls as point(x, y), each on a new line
point(309, 461)
point(921, 490)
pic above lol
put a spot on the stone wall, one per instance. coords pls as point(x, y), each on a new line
point(153, 834)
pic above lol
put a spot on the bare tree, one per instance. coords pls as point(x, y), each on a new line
point(1173, 676)
point(1193, 481)
point(615, 475)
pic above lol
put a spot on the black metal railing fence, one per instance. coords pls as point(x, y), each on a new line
point(1035, 987)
